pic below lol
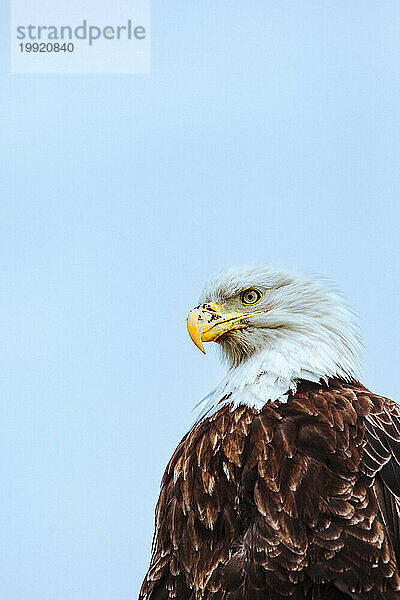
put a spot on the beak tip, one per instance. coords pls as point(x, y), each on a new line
point(194, 330)
point(197, 341)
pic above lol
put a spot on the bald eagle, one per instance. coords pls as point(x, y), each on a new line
point(288, 485)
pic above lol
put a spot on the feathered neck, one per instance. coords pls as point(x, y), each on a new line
point(275, 370)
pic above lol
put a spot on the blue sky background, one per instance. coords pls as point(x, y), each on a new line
point(267, 131)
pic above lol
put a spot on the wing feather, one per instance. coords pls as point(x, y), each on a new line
point(381, 461)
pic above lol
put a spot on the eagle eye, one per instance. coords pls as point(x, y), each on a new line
point(250, 296)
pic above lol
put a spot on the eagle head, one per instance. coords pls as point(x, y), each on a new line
point(277, 315)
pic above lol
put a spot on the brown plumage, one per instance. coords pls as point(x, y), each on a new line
point(293, 500)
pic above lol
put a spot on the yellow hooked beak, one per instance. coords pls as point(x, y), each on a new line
point(208, 322)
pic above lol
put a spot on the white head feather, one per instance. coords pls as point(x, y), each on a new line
point(304, 332)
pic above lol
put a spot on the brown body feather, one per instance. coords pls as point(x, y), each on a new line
point(298, 500)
